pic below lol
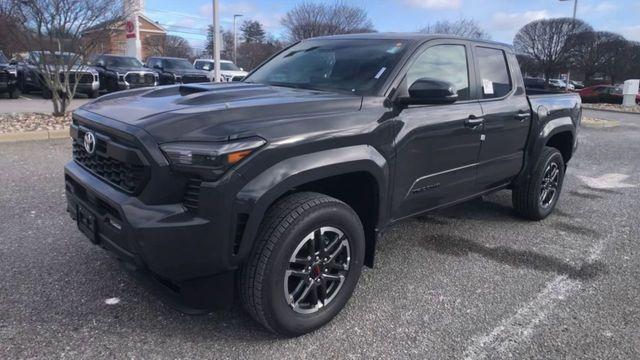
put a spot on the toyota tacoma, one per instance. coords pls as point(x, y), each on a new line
point(279, 187)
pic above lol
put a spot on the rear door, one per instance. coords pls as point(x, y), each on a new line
point(437, 146)
point(507, 116)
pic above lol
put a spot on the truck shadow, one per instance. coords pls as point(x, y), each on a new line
point(458, 246)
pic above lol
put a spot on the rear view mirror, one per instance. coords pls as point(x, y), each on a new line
point(431, 91)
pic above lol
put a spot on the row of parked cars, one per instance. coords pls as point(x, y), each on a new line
point(109, 73)
point(609, 94)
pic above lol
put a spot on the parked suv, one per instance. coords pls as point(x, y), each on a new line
point(176, 71)
point(8, 78)
point(281, 186)
point(228, 70)
point(31, 73)
point(123, 73)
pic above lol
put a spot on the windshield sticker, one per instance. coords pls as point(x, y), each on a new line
point(487, 87)
point(380, 73)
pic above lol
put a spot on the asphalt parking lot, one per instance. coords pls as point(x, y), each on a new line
point(35, 103)
point(472, 281)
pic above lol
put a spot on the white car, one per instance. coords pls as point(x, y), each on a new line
point(228, 70)
point(561, 84)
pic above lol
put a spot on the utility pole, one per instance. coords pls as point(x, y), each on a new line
point(575, 8)
point(216, 41)
point(235, 39)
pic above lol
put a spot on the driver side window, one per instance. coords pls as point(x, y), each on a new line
point(445, 63)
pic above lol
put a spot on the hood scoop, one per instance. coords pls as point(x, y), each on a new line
point(207, 94)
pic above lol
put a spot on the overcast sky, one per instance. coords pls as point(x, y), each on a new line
point(501, 18)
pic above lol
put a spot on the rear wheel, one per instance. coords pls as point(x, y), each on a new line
point(305, 264)
point(94, 94)
point(15, 93)
point(536, 198)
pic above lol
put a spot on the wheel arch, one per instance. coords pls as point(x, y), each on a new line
point(361, 168)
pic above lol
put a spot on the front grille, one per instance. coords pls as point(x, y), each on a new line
point(191, 198)
point(128, 177)
point(4, 76)
point(85, 78)
point(140, 79)
point(188, 79)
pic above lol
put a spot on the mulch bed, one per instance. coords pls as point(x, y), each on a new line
point(25, 122)
point(612, 107)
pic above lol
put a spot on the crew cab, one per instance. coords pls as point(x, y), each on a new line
point(123, 73)
point(45, 63)
point(176, 71)
point(8, 78)
point(282, 185)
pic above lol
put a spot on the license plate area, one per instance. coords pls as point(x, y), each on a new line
point(87, 223)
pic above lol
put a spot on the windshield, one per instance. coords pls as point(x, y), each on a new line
point(177, 64)
point(59, 59)
point(122, 62)
point(228, 66)
point(355, 66)
point(3, 59)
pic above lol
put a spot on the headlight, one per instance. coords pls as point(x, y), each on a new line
point(209, 160)
point(13, 72)
point(177, 78)
point(120, 77)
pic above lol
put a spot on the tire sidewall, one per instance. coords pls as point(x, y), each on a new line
point(284, 319)
point(556, 157)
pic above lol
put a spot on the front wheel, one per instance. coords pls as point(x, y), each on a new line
point(536, 198)
point(305, 264)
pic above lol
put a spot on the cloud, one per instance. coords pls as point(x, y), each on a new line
point(435, 4)
point(631, 32)
point(601, 8)
point(502, 21)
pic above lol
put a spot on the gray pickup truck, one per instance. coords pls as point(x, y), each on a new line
point(279, 186)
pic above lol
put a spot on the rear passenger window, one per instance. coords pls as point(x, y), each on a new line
point(493, 72)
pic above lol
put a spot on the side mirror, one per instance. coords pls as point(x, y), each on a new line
point(158, 67)
point(13, 62)
point(431, 91)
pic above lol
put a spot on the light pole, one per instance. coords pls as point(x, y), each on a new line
point(235, 39)
point(575, 8)
point(216, 42)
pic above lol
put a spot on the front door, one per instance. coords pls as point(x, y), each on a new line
point(437, 146)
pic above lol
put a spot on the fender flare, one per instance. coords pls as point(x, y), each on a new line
point(262, 191)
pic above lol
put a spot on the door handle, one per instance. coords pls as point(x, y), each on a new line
point(522, 116)
point(474, 121)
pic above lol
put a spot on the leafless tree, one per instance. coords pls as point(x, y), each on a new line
point(250, 55)
point(57, 26)
point(464, 27)
point(548, 42)
point(168, 45)
point(311, 19)
point(596, 51)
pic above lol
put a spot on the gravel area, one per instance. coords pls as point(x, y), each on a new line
point(25, 122)
point(612, 107)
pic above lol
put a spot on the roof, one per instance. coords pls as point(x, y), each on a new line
point(119, 23)
point(211, 60)
point(405, 36)
point(165, 57)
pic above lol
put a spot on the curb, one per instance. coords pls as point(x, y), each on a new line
point(34, 135)
point(613, 111)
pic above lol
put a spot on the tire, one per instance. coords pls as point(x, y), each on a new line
point(94, 94)
point(289, 229)
point(15, 93)
point(111, 85)
point(527, 197)
point(46, 94)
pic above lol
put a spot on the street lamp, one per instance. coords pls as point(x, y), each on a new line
point(575, 8)
point(235, 39)
point(216, 41)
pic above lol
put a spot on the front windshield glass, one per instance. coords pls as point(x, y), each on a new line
point(342, 65)
point(60, 59)
point(123, 62)
point(3, 59)
point(177, 64)
point(229, 66)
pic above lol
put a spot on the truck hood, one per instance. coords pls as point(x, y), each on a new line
point(216, 112)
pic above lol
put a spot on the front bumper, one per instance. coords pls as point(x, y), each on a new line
point(88, 87)
point(172, 245)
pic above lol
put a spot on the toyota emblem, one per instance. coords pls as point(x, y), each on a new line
point(89, 142)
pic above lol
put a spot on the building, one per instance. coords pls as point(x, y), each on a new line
point(149, 35)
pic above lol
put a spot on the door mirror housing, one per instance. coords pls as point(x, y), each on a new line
point(431, 91)
point(158, 67)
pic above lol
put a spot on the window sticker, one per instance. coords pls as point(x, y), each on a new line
point(380, 72)
point(487, 87)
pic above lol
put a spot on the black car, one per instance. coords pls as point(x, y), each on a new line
point(8, 78)
point(176, 71)
point(281, 186)
point(30, 73)
point(123, 73)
